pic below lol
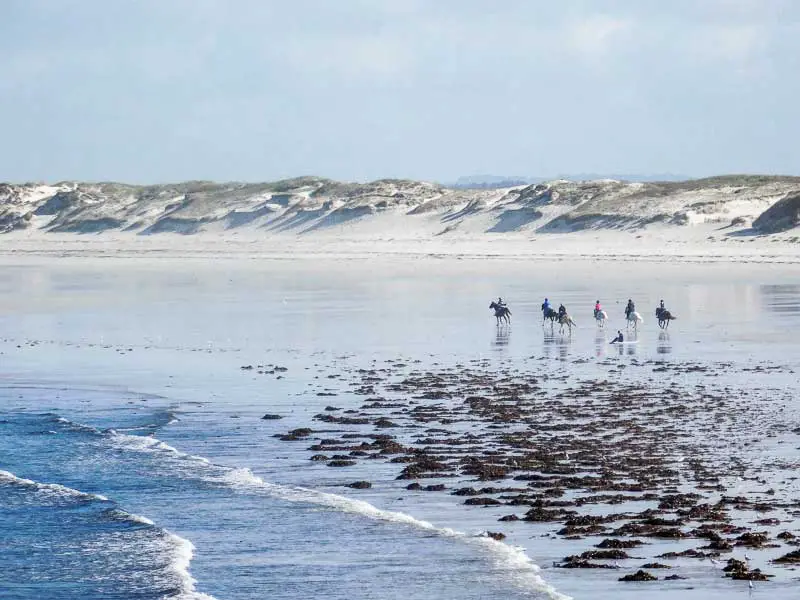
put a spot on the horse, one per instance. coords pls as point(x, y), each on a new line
point(634, 318)
point(549, 314)
point(501, 313)
point(664, 317)
point(601, 317)
point(566, 320)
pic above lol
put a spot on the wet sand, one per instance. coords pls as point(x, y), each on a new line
point(394, 385)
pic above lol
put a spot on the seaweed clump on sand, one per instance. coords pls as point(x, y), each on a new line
point(549, 449)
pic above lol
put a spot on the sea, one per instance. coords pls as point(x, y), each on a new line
point(135, 463)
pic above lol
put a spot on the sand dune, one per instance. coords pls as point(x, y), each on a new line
point(727, 216)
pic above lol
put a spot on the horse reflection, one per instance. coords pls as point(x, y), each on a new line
point(558, 343)
point(664, 345)
point(501, 337)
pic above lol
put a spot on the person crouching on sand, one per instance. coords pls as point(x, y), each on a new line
point(619, 338)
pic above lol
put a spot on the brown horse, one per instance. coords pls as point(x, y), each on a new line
point(501, 313)
point(664, 317)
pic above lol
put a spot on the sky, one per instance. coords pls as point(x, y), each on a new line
point(150, 91)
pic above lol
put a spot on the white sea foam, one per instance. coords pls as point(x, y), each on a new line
point(512, 560)
point(123, 515)
point(141, 443)
point(183, 551)
point(140, 519)
point(48, 489)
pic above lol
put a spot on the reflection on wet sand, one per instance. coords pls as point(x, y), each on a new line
point(501, 337)
point(664, 345)
point(782, 298)
point(556, 343)
point(599, 343)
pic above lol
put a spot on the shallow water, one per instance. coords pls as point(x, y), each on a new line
point(122, 383)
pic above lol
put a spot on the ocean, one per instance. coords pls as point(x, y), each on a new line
point(135, 462)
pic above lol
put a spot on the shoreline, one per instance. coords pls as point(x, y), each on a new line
point(655, 247)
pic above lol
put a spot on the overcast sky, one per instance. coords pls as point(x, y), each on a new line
point(162, 90)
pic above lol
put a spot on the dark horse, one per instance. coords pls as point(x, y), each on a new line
point(501, 313)
point(549, 314)
point(664, 317)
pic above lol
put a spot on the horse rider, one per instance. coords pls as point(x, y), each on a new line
point(618, 339)
point(561, 311)
point(629, 309)
point(500, 302)
point(597, 309)
point(546, 306)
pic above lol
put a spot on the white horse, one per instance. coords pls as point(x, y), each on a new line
point(566, 320)
point(601, 317)
point(634, 318)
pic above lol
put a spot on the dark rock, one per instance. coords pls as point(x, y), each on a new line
point(578, 563)
point(639, 576)
point(600, 555)
point(296, 434)
point(360, 485)
point(482, 502)
point(611, 543)
point(791, 558)
point(438, 487)
point(269, 417)
point(341, 463)
point(666, 532)
point(541, 515)
point(496, 535)
point(752, 540)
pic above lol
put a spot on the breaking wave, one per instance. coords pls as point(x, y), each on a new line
point(178, 551)
point(512, 560)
